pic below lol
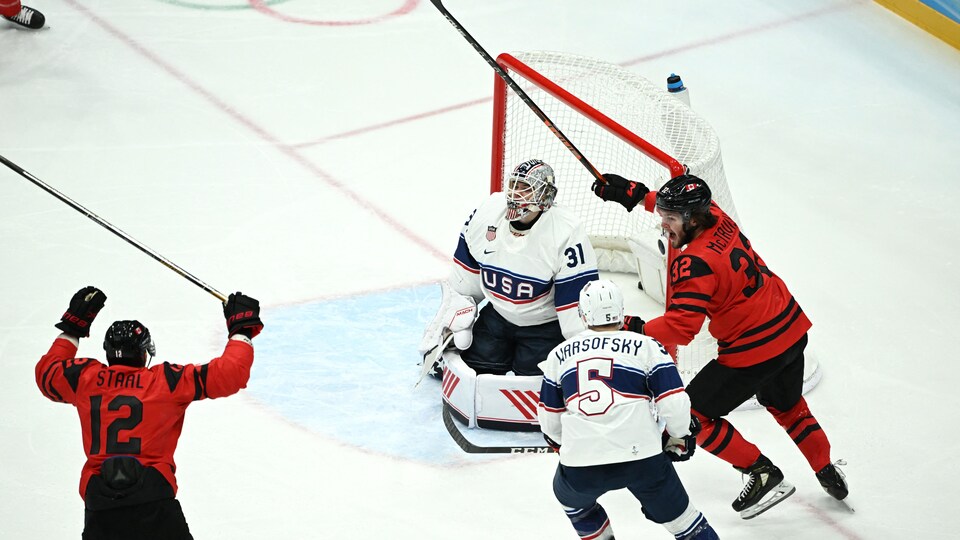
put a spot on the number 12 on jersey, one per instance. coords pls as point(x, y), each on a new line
point(124, 423)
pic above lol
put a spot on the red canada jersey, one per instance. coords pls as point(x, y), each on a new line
point(136, 411)
point(718, 275)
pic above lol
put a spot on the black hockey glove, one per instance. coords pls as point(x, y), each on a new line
point(633, 323)
point(243, 315)
point(682, 448)
point(551, 443)
point(84, 306)
point(621, 190)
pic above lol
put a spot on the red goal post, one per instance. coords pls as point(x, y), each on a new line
point(623, 124)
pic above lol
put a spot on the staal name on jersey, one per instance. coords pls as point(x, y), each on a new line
point(118, 380)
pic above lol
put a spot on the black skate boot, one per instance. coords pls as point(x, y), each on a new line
point(28, 18)
point(833, 482)
point(765, 487)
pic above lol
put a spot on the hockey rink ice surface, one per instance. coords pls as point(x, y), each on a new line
point(322, 156)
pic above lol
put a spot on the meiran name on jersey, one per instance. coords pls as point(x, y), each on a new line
point(530, 277)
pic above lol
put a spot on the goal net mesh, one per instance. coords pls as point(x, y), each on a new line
point(621, 97)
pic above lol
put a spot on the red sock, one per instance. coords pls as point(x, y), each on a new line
point(9, 8)
point(721, 439)
point(803, 428)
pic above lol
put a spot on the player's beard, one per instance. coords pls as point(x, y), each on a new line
point(677, 241)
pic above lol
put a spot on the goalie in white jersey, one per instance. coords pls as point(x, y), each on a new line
point(597, 401)
point(529, 260)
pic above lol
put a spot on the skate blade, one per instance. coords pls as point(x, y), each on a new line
point(782, 491)
point(845, 502)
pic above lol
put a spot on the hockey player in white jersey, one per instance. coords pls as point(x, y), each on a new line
point(529, 260)
point(599, 391)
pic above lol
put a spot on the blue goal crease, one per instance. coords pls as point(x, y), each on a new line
point(346, 369)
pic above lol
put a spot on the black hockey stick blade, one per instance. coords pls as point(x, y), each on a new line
point(471, 448)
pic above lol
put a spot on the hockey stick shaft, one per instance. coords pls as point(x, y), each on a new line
point(520, 92)
point(432, 361)
point(470, 448)
point(106, 225)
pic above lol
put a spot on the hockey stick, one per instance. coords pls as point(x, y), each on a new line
point(428, 364)
point(471, 448)
point(103, 223)
point(519, 91)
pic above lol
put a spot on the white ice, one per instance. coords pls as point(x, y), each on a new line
point(302, 163)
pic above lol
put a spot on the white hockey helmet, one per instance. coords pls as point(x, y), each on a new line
point(601, 303)
point(531, 186)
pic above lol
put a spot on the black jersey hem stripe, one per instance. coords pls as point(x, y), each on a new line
point(692, 296)
point(767, 325)
point(783, 329)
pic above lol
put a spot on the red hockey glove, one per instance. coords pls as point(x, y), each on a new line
point(243, 315)
point(84, 306)
point(633, 323)
point(621, 190)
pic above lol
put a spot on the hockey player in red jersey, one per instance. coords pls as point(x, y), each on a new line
point(24, 16)
point(131, 414)
point(759, 326)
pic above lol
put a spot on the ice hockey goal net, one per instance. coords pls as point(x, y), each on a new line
point(624, 124)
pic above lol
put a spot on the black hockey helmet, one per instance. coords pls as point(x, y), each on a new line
point(686, 194)
point(128, 343)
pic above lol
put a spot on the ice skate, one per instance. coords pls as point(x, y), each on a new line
point(765, 488)
point(834, 482)
point(28, 18)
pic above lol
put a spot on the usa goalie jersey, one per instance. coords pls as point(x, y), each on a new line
point(530, 277)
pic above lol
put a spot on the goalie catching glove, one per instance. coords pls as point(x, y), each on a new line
point(455, 316)
point(681, 448)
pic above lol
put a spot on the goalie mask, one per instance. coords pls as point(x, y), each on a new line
point(128, 343)
point(601, 303)
point(531, 187)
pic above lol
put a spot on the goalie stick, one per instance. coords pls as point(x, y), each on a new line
point(103, 223)
point(471, 448)
point(519, 91)
point(428, 364)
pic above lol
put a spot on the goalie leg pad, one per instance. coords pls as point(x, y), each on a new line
point(459, 388)
point(508, 403)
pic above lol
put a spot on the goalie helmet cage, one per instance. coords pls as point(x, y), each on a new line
point(623, 124)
